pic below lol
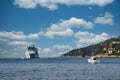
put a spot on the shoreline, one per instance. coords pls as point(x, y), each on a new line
point(89, 56)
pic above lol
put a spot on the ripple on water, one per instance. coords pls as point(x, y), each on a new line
point(62, 69)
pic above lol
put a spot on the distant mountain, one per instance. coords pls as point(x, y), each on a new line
point(108, 48)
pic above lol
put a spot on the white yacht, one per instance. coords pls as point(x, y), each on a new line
point(31, 52)
point(93, 60)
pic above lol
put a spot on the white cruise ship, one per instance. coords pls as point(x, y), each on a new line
point(31, 52)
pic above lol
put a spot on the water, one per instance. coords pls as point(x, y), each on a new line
point(59, 69)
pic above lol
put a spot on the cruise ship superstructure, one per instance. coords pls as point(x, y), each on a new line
point(32, 52)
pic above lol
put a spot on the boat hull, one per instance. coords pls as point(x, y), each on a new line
point(93, 61)
point(31, 54)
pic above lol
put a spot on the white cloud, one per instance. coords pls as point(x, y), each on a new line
point(19, 36)
point(106, 19)
point(55, 51)
point(46, 50)
point(75, 22)
point(12, 35)
point(86, 38)
point(27, 4)
point(34, 36)
point(17, 52)
point(86, 2)
point(67, 47)
point(84, 35)
point(63, 28)
point(3, 40)
point(4, 53)
point(53, 4)
point(61, 49)
point(12, 44)
point(59, 33)
point(18, 43)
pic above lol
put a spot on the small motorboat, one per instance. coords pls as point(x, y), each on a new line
point(93, 60)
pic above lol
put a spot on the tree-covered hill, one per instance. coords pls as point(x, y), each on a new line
point(108, 48)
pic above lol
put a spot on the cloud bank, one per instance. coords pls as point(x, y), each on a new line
point(54, 4)
point(14, 43)
point(106, 19)
point(64, 28)
point(86, 38)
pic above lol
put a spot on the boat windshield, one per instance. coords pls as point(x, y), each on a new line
point(93, 58)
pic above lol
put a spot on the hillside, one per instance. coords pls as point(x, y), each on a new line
point(108, 48)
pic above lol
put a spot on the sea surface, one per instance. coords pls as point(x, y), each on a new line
point(59, 69)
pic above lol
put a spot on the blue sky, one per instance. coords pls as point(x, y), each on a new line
point(55, 26)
